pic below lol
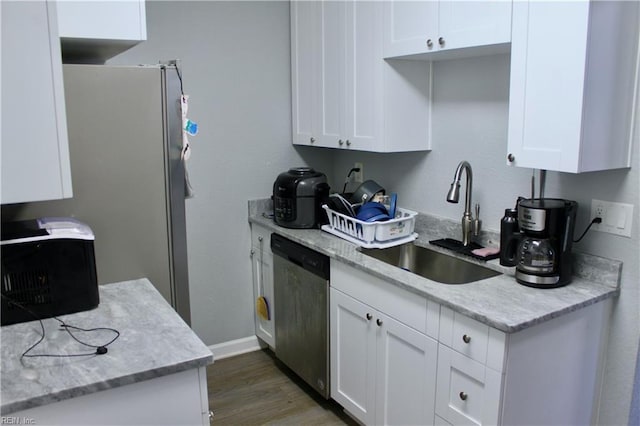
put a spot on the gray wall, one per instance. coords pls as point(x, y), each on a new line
point(236, 68)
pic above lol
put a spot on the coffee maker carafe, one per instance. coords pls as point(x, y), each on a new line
point(544, 252)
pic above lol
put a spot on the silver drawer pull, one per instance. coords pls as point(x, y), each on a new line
point(379, 322)
point(369, 316)
point(466, 338)
point(463, 396)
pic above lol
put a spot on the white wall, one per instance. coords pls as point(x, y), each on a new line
point(236, 68)
point(470, 116)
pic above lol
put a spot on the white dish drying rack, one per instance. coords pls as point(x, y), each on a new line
point(392, 232)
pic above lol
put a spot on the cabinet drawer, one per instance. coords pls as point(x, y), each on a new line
point(472, 338)
point(404, 306)
point(467, 391)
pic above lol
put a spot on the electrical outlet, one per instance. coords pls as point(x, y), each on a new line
point(597, 209)
point(617, 218)
point(358, 176)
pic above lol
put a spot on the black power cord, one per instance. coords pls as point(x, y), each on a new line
point(595, 220)
point(99, 349)
point(346, 181)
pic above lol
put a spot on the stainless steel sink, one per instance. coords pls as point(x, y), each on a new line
point(431, 264)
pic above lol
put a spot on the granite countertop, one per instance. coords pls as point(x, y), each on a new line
point(499, 302)
point(154, 341)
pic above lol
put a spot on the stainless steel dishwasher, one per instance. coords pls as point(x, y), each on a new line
point(301, 298)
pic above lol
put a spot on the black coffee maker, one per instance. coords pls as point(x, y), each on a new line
point(543, 254)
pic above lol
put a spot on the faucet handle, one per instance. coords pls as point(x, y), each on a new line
point(477, 223)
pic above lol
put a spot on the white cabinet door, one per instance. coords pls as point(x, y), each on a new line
point(364, 77)
point(262, 272)
point(35, 145)
point(382, 371)
point(572, 82)
point(474, 23)
point(406, 370)
point(344, 95)
point(410, 27)
point(418, 27)
point(353, 356)
point(468, 392)
point(545, 106)
point(331, 78)
point(304, 45)
point(317, 70)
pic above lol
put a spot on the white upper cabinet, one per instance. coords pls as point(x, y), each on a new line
point(35, 145)
point(573, 81)
point(96, 30)
point(445, 29)
point(304, 45)
point(344, 95)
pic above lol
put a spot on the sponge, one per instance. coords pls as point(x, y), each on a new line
point(486, 251)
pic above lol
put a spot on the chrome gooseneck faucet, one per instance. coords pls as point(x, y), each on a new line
point(469, 224)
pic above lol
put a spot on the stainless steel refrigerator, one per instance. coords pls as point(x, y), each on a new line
point(125, 143)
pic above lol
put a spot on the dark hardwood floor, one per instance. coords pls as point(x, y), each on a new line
point(257, 389)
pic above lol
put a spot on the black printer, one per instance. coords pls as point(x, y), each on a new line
point(48, 269)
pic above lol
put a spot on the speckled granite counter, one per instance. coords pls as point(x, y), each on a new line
point(154, 342)
point(499, 302)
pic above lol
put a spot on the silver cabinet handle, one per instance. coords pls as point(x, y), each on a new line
point(511, 158)
point(379, 322)
point(312, 140)
point(369, 316)
point(429, 43)
point(340, 142)
point(348, 142)
point(463, 396)
point(441, 41)
point(466, 338)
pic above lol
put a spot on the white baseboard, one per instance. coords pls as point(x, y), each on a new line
point(235, 347)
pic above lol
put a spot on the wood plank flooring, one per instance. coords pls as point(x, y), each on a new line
point(257, 389)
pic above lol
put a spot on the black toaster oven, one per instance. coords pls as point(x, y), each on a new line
point(48, 269)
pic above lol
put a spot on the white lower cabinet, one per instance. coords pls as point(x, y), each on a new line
point(382, 370)
point(398, 358)
point(176, 399)
point(262, 275)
